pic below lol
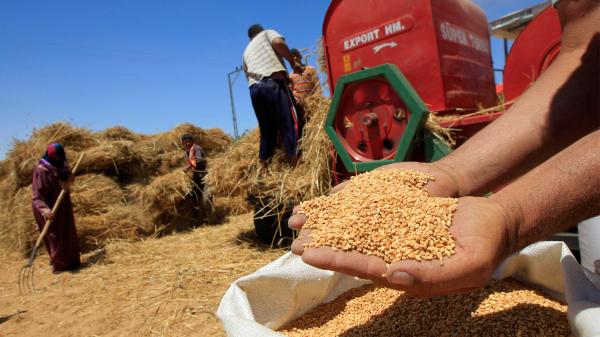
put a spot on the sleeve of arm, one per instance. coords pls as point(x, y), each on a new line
point(40, 191)
point(272, 35)
point(245, 67)
point(192, 159)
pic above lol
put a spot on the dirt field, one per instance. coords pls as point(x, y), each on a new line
point(168, 286)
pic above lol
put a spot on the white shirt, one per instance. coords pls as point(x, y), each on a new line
point(259, 57)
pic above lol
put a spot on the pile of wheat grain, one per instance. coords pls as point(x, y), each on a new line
point(503, 308)
point(386, 213)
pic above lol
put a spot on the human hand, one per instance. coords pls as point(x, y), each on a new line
point(48, 215)
point(481, 233)
point(66, 184)
point(445, 183)
point(297, 66)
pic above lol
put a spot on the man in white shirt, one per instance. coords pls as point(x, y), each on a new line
point(267, 79)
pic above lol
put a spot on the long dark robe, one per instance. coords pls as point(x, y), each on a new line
point(61, 240)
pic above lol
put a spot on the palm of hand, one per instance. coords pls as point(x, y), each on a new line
point(481, 240)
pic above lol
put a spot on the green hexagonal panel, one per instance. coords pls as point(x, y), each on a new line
point(414, 104)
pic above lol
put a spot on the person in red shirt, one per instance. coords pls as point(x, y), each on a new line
point(196, 165)
point(303, 82)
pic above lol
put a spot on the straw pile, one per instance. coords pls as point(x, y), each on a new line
point(128, 186)
point(232, 176)
point(169, 286)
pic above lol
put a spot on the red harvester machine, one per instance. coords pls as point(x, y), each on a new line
point(392, 63)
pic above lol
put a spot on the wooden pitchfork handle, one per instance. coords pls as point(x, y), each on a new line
point(59, 200)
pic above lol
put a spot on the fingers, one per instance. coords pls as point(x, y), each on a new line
point(298, 218)
point(297, 221)
point(296, 209)
point(420, 279)
point(352, 263)
point(298, 244)
point(48, 216)
point(426, 279)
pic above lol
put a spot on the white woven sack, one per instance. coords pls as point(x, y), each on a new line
point(257, 304)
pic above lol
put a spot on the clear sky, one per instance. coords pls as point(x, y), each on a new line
point(147, 65)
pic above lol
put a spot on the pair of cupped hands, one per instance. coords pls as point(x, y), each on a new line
point(479, 227)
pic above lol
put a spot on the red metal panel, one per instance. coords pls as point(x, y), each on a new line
point(533, 51)
point(465, 54)
point(441, 46)
point(413, 49)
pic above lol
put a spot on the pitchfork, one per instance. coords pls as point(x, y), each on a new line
point(26, 274)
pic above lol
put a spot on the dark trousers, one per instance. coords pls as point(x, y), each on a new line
point(273, 108)
point(203, 199)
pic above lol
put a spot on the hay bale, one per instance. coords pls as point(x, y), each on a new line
point(109, 157)
point(102, 212)
point(312, 177)
point(8, 186)
point(95, 194)
point(170, 161)
point(117, 133)
point(4, 169)
point(233, 174)
point(114, 151)
point(162, 153)
point(212, 141)
point(130, 187)
point(18, 229)
point(121, 222)
point(215, 141)
point(165, 193)
point(236, 205)
point(24, 155)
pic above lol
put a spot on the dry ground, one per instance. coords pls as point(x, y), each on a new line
point(168, 286)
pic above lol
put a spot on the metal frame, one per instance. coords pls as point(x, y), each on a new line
point(435, 149)
point(416, 107)
point(230, 83)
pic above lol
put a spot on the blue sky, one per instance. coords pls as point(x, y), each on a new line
point(147, 65)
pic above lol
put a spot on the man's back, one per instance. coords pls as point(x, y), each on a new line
point(259, 57)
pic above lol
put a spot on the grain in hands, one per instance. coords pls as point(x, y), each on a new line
point(385, 213)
